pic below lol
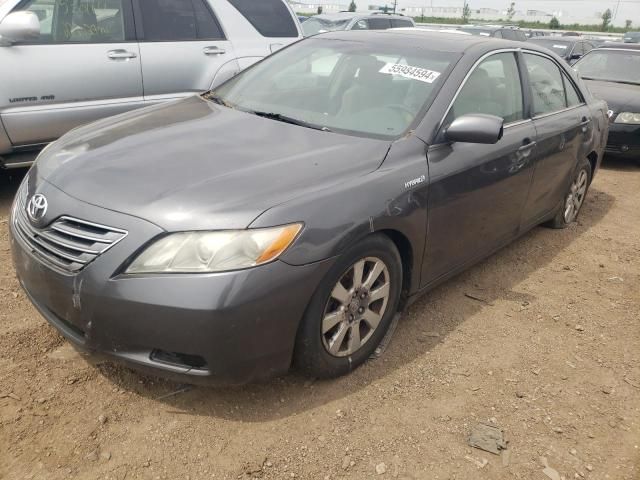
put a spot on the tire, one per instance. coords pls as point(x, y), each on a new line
point(574, 198)
point(334, 313)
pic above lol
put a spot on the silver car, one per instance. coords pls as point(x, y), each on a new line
point(331, 22)
point(70, 62)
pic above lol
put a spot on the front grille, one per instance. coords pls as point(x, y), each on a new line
point(68, 244)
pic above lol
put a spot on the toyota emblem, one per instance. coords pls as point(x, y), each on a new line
point(37, 207)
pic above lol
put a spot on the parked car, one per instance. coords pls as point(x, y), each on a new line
point(331, 22)
point(612, 73)
point(291, 212)
point(631, 37)
point(496, 31)
point(569, 48)
point(534, 33)
point(69, 63)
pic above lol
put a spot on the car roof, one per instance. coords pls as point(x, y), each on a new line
point(351, 15)
point(494, 28)
point(558, 39)
point(620, 46)
point(427, 30)
point(437, 41)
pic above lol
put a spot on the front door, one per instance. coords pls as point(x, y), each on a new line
point(85, 66)
point(477, 192)
point(183, 48)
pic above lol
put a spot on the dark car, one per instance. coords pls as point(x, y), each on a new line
point(631, 37)
point(570, 49)
point(496, 31)
point(534, 33)
point(289, 214)
point(612, 73)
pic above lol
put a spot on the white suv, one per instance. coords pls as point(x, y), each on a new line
point(69, 62)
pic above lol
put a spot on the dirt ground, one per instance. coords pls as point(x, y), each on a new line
point(548, 350)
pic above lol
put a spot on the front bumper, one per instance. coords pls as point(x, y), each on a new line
point(624, 141)
point(225, 328)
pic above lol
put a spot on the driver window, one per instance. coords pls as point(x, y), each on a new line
point(78, 21)
point(493, 88)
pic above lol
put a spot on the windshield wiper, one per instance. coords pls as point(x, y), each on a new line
point(293, 121)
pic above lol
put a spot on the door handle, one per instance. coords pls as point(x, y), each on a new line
point(120, 55)
point(214, 51)
point(584, 124)
point(527, 146)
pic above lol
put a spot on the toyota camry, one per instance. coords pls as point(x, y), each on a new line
point(287, 216)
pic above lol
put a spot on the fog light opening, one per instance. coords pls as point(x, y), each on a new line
point(624, 148)
point(184, 360)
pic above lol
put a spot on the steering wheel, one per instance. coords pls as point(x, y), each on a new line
point(403, 110)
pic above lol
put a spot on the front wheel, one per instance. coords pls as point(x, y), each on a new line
point(351, 310)
point(574, 198)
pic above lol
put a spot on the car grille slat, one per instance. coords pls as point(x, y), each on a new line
point(68, 243)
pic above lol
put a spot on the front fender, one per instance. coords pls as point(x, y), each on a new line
point(392, 198)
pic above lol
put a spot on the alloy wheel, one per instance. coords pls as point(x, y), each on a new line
point(576, 195)
point(355, 307)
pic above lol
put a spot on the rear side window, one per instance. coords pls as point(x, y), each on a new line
point(271, 18)
point(547, 86)
point(177, 20)
point(399, 23)
point(573, 98)
point(379, 23)
point(578, 49)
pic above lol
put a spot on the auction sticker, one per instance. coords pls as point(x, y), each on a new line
point(407, 71)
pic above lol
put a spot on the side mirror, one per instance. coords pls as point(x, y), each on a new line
point(475, 128)
point(19, 27)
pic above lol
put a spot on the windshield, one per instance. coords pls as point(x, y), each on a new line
point(610, 65)
point(341, 85)
point(314, 26)
point(560, 47)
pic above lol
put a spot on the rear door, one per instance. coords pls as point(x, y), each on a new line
point(84, 66)
point(182, 46)
point(563, 125)
point(477, 192)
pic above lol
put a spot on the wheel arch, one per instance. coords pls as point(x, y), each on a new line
point(405, 249)
point(593, 160)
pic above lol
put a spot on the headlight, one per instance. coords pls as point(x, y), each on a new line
point(628, 118)
point(206, 252)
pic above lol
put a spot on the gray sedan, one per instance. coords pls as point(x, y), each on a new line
point(288, 215)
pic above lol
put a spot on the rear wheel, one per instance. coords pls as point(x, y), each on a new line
point(575, 197)
point(351, 310)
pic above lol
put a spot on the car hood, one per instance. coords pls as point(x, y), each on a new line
point(620, 97)
point(193, 164)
